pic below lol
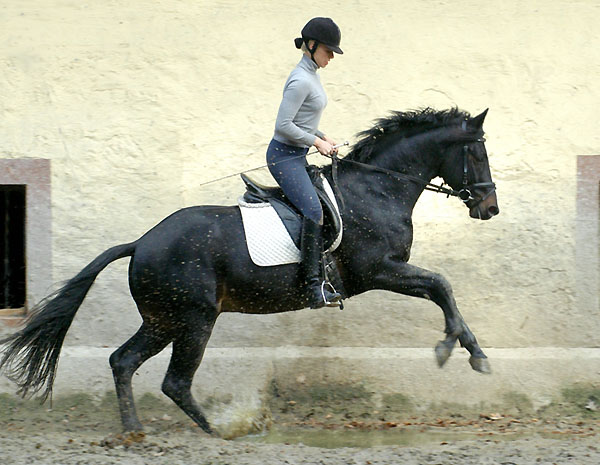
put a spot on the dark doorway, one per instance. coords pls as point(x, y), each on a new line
point(12, 246)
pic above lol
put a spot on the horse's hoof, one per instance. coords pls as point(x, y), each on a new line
point(134, 427)
point(204, 426)
point(481, 365)
point(442, 353)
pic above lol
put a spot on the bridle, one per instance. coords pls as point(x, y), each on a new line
point(465, 193)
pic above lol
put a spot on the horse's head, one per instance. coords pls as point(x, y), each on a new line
point(466, 169)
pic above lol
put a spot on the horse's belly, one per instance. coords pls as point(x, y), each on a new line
point(262, 290)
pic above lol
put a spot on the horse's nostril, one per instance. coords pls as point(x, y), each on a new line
point(493, 210)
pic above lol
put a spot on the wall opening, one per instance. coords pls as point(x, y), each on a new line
point(25, 235)
point(12, 247)
point(587, 236)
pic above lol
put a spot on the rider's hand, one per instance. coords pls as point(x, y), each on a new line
point(324, 147)
point(333, 144)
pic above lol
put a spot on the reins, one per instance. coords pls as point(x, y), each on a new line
point(267, 165)
point(463, 194)
point(396, 174)
point(335, 159)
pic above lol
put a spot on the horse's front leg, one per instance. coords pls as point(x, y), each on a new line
point(400, 277)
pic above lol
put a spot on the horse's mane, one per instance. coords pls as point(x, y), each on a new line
point(403, 124)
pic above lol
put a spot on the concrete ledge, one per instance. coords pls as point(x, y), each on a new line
point(245, 374)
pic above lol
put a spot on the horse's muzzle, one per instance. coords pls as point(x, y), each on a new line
point(484, 206)
point(485, 209)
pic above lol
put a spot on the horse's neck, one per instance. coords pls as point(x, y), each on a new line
point(364, 188)
point(415, 156)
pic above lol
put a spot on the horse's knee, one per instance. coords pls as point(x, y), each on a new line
point(440, 284)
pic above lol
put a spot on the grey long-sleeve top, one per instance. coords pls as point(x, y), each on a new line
point(301, 107)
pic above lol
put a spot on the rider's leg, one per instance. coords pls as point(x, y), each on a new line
point(319, 294)
point(288, 167)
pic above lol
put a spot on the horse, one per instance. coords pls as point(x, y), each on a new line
point(195, 265)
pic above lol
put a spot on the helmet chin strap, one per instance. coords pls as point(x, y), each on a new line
point(312, 50)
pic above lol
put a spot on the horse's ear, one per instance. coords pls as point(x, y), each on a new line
point(477, 121)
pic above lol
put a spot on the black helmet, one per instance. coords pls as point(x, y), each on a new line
point(323, 31)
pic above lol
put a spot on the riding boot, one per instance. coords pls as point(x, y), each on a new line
point(320, 293)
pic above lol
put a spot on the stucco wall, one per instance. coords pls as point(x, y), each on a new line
point(136, 103)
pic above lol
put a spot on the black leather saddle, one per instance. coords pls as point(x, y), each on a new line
point(290, 215)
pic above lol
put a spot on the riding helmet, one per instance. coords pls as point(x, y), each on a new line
point(323, 31)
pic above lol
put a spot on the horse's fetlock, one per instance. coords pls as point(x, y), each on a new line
point(454, 328)
point(168, 389)
point(173, 388)
point(455, 331)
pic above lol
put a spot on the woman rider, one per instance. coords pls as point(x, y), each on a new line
point(296, 129)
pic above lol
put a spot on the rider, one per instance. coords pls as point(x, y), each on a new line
point(296, 129)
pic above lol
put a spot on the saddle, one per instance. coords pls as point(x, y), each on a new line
point(291, 216)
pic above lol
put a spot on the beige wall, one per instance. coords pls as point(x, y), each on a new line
point(138, 102)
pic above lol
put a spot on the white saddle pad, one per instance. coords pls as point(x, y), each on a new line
point(269, 242)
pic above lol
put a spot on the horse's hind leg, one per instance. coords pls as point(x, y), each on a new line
point(146, 343)
point(188, 349)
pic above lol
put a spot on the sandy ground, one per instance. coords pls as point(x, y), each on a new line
point(78, 431)
point(188, 448)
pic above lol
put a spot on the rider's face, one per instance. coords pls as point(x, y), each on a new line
point(322, 56)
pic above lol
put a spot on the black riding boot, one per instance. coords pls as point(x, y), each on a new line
point(319, 292)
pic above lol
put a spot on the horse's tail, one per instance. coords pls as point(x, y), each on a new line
point(31, 355)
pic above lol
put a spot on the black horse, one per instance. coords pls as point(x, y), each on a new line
point(195, 264)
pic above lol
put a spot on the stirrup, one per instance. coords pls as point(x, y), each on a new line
point(336, 301)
